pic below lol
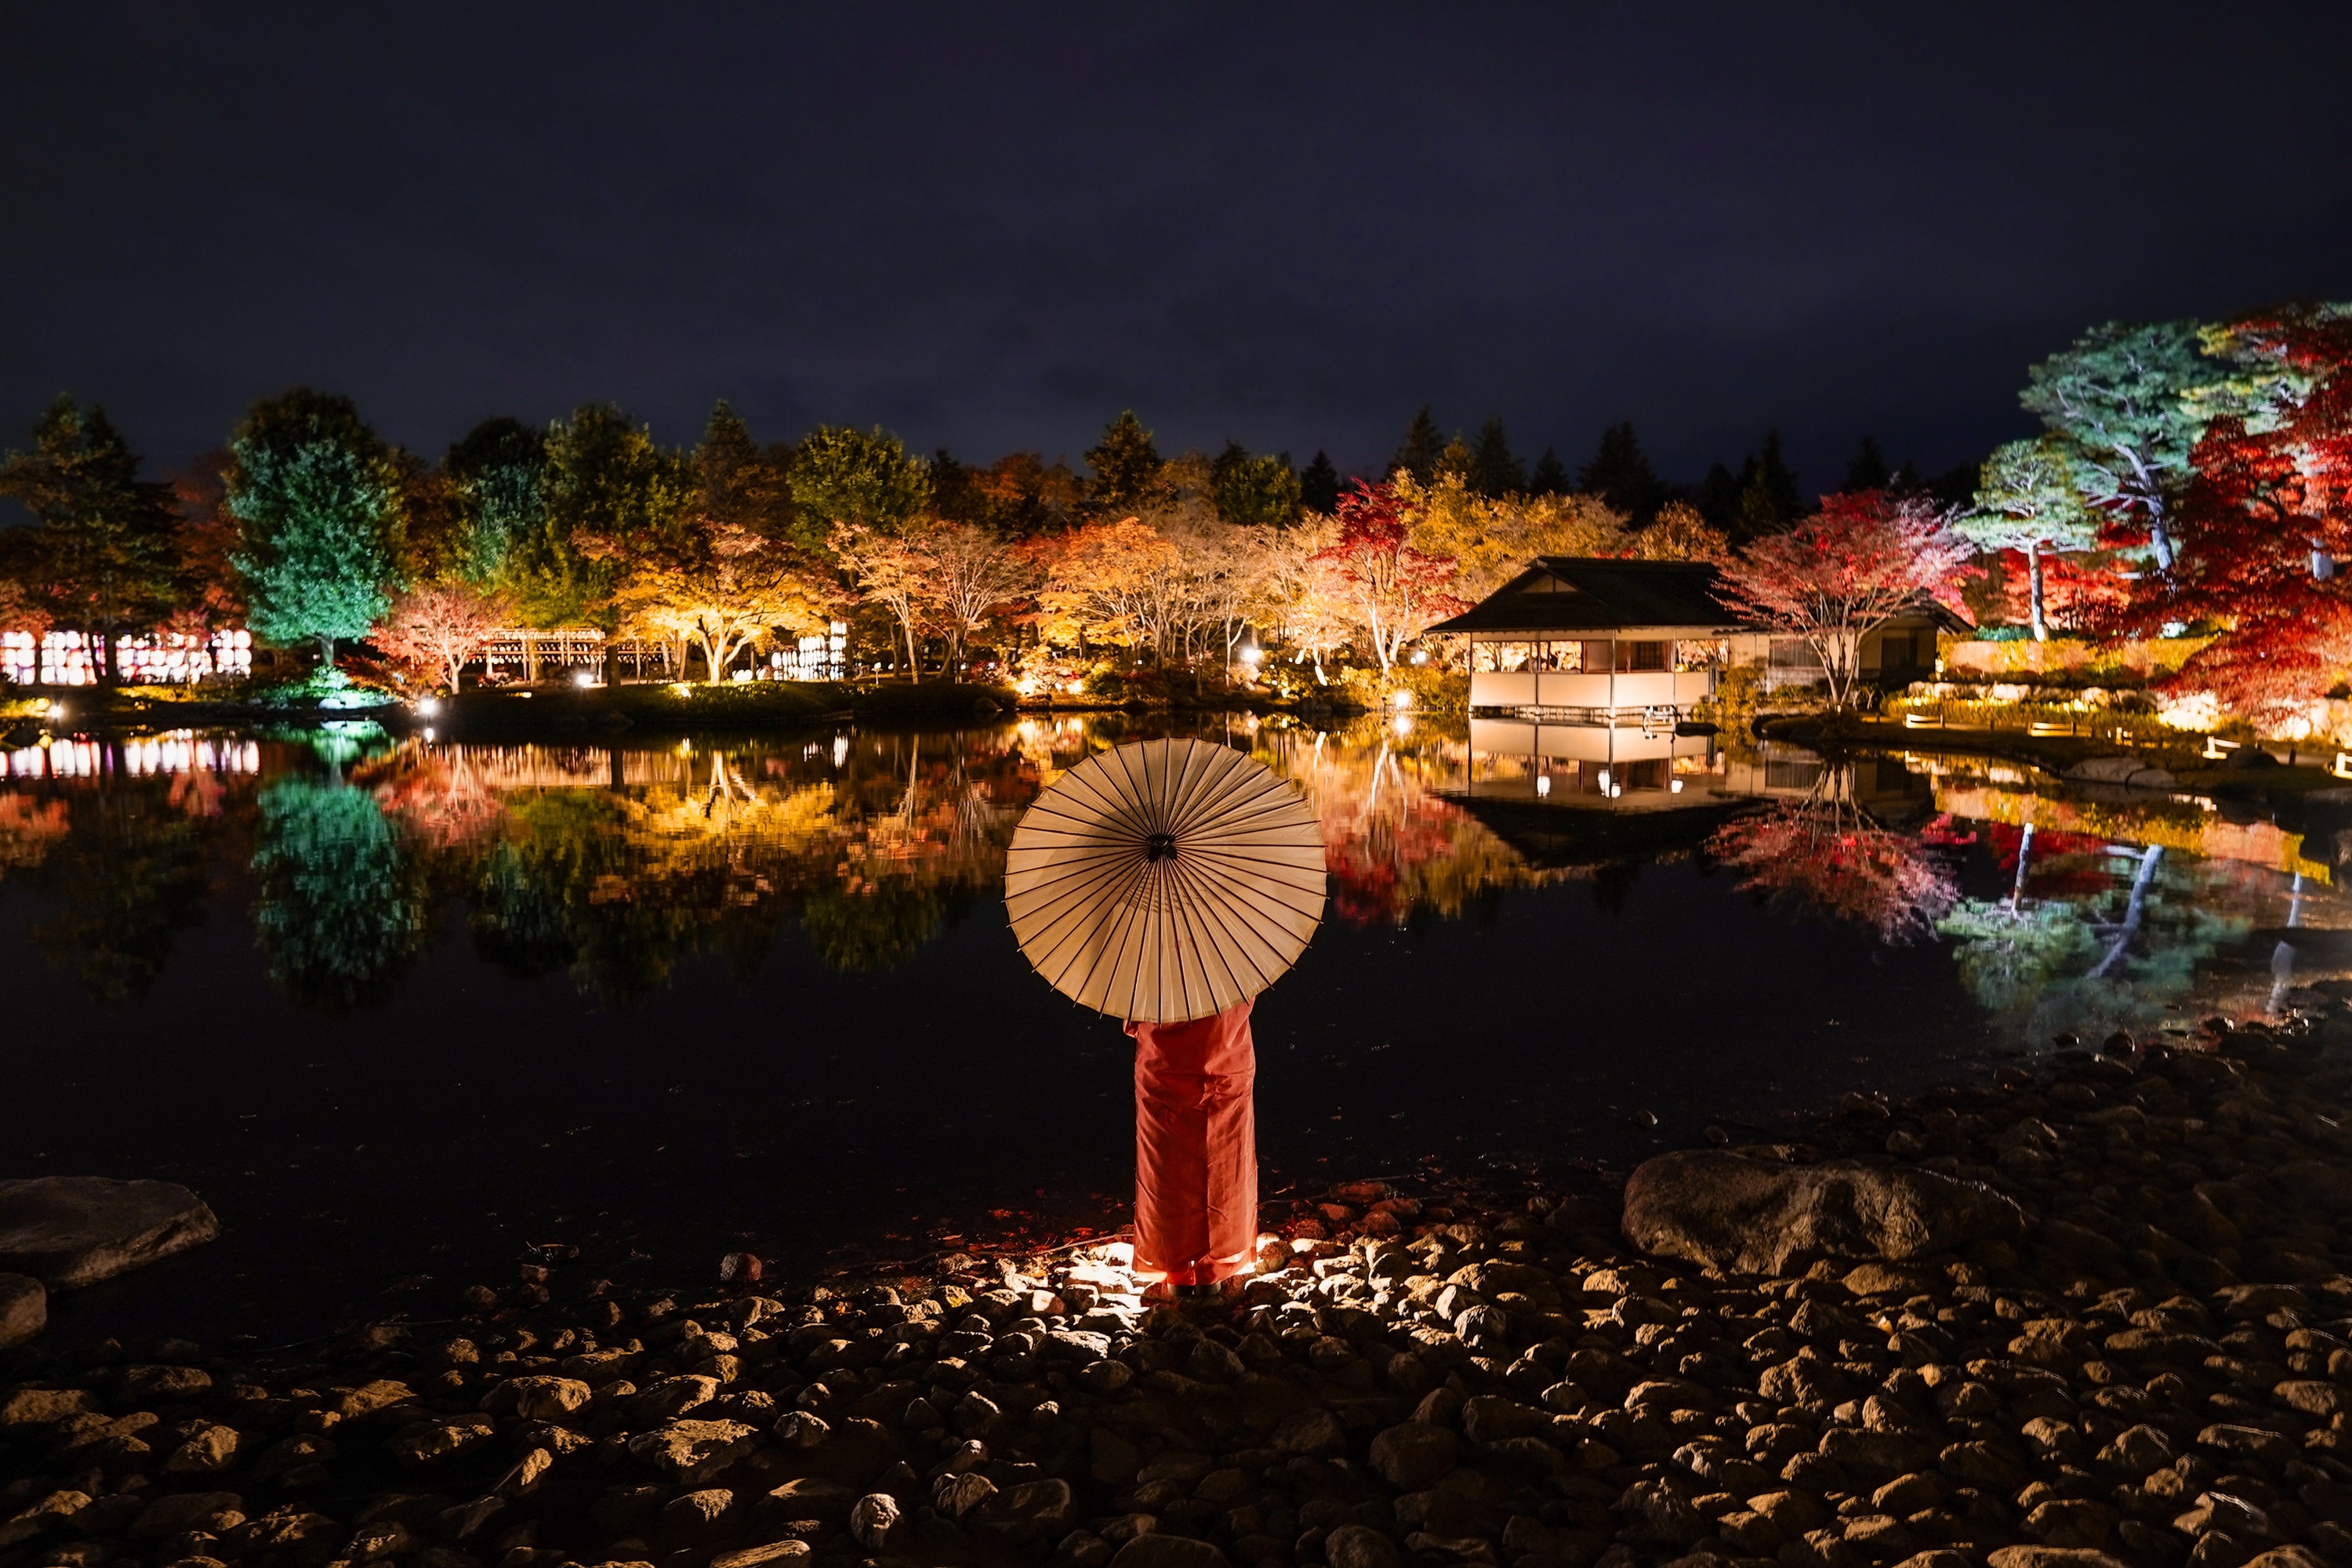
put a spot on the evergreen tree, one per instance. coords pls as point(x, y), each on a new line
point(607, 483)
point(317, 503)
point(497, 482)
point(1718, 496)
point(1867, 470)
point(739, 484)
point(1494, 470)
point(861, 478)
point(2119, 397)
point(1126, 464)
point(1423, 447)
point(1254, 490)
point(1620, 474)
point(102, 557)
point(1550, 477)
point(1769, 498)
point(1318, 485)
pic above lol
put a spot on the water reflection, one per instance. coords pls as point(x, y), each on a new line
point(2063, 909)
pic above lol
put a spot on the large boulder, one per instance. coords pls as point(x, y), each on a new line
point(23, 1308)
point(71, 1231)
point(1752, 1216)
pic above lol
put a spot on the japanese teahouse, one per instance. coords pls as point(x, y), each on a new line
point(1592, 640)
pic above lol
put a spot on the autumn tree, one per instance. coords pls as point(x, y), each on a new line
point(318, 509)
point(1678, 533)
point(1106, 585)
point(890, 569)
point(971, 577)
point(1394, 590)
point(722, 574)
point(2120, 401)
point(2268, 517)
point(101, 558)
point(1125, 464)
point(2027, 502)
point(437, 628)
point(1491, 540)
point(1844, 572)
point(1019, 495)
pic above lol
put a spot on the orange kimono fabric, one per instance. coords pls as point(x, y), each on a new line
point(1195, 1148)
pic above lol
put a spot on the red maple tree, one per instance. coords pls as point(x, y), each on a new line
point(2266, 520)
point(1394, 590)
point(1844, 572)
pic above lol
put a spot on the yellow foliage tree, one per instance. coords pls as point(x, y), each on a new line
point(1493, 539)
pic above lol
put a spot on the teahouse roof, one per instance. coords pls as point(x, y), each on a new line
point(1575, 593)
point(1569, 595)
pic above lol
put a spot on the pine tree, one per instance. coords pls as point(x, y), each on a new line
point(1254, 490)
point(1867, 470)
point(1494, 470)
point(2119, 397)
point(102, 555)
point(1423, 447)
point(1550, 477)
point(1779, 481)
point(1126, 464)
point(316, 505)
point(1718, 496)
point(1318, 485)
point(1620, 474)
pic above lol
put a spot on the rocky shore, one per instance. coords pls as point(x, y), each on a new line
point(2090, 1312)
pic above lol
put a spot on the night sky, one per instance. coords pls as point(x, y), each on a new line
point(991, 227)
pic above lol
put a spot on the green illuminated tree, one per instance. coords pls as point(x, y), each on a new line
point(101, 561)
point(1254, 490)
point(2121, 400)
point(1124, 463)
point(498, 480)
point(317, 504)
point(2027, 501)
point(861, 478)
point(606, 482)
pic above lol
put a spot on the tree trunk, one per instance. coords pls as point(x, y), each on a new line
point(2033, 580)
point(914, 659)
point(326, 654)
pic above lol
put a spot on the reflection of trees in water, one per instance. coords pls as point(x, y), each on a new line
point(2093, 938)
point(128, 874)
point(1394, 848)
point(1828, 854)
point(344, 899)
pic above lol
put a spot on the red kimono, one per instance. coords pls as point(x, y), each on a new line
point(1195, 1148)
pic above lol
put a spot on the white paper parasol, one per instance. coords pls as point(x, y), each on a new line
point(1165, 880)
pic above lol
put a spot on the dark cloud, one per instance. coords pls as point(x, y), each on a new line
point(991, 226)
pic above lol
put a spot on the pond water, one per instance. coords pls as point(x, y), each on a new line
point(401, 1009)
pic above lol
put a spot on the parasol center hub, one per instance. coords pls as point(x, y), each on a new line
point(1160, 847)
